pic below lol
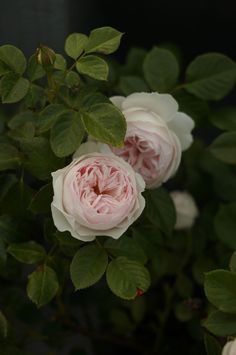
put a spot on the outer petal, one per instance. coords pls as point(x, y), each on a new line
point(92, 146)
point(117, 101)
point(164, 105)
point(227, 350)
point(182, 125)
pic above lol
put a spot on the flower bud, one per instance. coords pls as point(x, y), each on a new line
point(45, 56)
point(186, 209)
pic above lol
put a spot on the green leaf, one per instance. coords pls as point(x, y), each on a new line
point(104, 40)
point(224, 147)
point(13, 58)
point(67, 243)
point(105, 123)
point(40, 160)
point(88, 266)
point(212, 346)
point(3, 254)
point(160, 210)
point(220, 289)
point(134, 60)
point(60, 62)
point(21, 119)
point(75, 44)
point(161, 69)
point(67, 134)
point(126, 246)
point(41, 202)
point(130, 84)
point(9, 157)
point(72, 79)
point(9, 229)
point(29, 252)
point(127, 278)
point(224, 118)
point(35, 71)
point(3, 326)
point(13, 88)
point(35, 98)
point(24, 133)
point(3, 69)
point(225, 224)
point(42, 285)
point(221, 324)
point(232, 263)
point(211, 76)
point(93, 66)
point(49, 116)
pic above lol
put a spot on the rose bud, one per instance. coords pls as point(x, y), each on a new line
point(156, 135)
point(186, 209)
point(97, 194)
point(45, 56)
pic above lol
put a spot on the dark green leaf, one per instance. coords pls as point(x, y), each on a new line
point(35, 71)
point(105, 123)
point(224, 147)
point(22, 118)
point(41, 202)
point(49, 116)
point(67, 134)
point(212, 346)
point(126, 246)
point(211, 76)
point(220, 289)
point(232, 263)
point(221, 324)
point(131, 84)
point(93, 66)
point(13, 88)
point(127, 278)
point(224, 118)
point(9, 157)
point(225, 224)
point(13, 58)
point(160, 210)
point(161, 69)
point(42, 285)
point(88, 266)
point(29, 252)
point(40, 160)
point(60, 62)
point(3, 325)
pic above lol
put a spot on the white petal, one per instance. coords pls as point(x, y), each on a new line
point(91, 147)
point(227, 348)
point(117, 101)
point(182, 126)
point(164, 105)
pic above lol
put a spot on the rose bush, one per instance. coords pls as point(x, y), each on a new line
point(186, 209)
point(156, 135)
point(97, 194)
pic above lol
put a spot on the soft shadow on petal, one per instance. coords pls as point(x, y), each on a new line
point(164, 105)
point(182, 125)
point(117, 101)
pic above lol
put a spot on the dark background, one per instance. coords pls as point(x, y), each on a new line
point(195, 25)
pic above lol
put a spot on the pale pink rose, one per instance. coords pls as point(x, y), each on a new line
point(156, 135)
point(97, 194)
point(186, 209)
point(229, 348)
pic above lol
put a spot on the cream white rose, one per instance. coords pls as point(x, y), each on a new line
point(229, 348)
point(97, 194)
point(186, 209)
point(156, 135)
